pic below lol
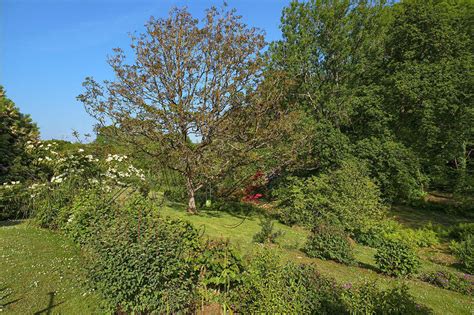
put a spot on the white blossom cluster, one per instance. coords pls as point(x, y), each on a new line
point(10, 184)
point(58, 179)
point(115, 157)
point(34, 188)
point(118, 170)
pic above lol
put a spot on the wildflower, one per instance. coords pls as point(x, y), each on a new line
point(71, 218)
point(80, 150)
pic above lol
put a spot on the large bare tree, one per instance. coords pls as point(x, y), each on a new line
point(191, 97)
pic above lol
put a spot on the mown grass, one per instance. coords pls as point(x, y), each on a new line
point(239, 230)
point(40, 273)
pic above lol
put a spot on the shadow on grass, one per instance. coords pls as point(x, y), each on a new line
point(50, 306)
point(367, 266)
point(4, 296)
point(10, 223)
point(236, 209)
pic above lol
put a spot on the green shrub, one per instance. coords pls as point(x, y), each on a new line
point(221, 268)
point(396, 258)
point(293, 203)
point(375, 232)
point(48, 203)
point(345, 197)
point(368, 299)
point(266, 233)
point(451, 281)
point(15, 201)
point(461, 231)
point(329, 242)
point(420, 237)
point(272, 287)
point(89, 212)
point(395, 168)
point(144, 263)
point(464, 251)
point(17, 131)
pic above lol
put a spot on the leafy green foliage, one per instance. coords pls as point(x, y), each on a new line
point(329, 242)
point(375, 233)
point(145, 263)
point(16, 132)
point(396, 170)
point(428, 89)
point(464, 251)
point(51, 199)
point(15, 201)
point(345, 197)
point(221, 268)
point(367, 299)
point(448, 280)
point(397, 258)
point(266, 234)
point(89, 211)
point(273, 287)
point(461, 231)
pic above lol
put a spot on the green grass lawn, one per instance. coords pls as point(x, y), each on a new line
point(40, 273)
point(240, 230)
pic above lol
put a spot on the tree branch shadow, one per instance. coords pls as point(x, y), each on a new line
point(50, 306)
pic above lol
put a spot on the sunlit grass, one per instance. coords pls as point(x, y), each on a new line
point(40, 272)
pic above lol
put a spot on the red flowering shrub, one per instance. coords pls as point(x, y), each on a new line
point(251, 192)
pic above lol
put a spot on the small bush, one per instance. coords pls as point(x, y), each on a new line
point(15, 201)
point(464, 251)
point(397, 258)
point(420, 237)
point(375, 232)
point(221, 268)
point(143, 263)
point(451, 281)
point(49, 202)
point(89, 213)
point(329, 242)
point(368, 299)
point(271, 287)
point(266, 234)
point(292, 202)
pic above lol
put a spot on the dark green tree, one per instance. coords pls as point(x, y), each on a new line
point(428, 84)
point(16, 129)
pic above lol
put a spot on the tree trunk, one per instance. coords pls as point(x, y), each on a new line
point(191, 202)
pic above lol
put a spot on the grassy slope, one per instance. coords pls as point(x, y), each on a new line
point(39, 272)
point(240, 231)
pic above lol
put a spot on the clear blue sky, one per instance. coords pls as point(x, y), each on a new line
point(47, 48)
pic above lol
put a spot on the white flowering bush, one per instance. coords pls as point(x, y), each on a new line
point(62, 174)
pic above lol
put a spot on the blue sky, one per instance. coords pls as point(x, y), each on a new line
point(48, 47)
